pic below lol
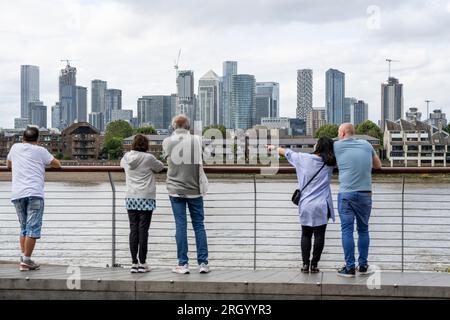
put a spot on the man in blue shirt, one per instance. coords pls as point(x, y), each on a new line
point(355, 160)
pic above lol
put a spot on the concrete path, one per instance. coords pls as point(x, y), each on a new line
point(62, 282)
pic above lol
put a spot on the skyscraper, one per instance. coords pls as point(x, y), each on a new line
point(391, 101)
point(20, 123)
point(156, 110)
point(98, 95)
point(56, 116)
point(67, 77)
point(438, 119)
point(243, 103)
point(82, 104)
point(113, 102)
point(29, 88)
point(304, 93)
point(96, 120)
point(315, 119)
point(413, 114)
point(125, 115)
point(185, 94)
point(38, 114)
point(68, 105)
point(209, 99)
point(348, 107)
point(335, 95)
point(359, 112)
point(230, 68)
point(267, 100)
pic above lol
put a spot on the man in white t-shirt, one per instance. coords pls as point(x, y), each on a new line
point(28, 161)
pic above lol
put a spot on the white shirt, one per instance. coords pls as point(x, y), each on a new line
point(28, 170)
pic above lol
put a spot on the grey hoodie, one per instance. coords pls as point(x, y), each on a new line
point(139, 168)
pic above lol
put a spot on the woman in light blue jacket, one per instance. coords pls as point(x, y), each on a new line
point(315, 207)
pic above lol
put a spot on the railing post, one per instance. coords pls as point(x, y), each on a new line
point(113, 221)
point(403, 223)
point(255, 199)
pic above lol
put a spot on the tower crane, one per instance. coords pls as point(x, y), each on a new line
point(389, 61)
point(177, 61)
point(428, 107)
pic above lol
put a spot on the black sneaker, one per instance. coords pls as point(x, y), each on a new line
point(314, 269)
point(346, 273)
point(305, 268)
point(134, 268)
point(364, 270)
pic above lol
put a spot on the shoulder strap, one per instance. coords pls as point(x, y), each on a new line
point(313, 177)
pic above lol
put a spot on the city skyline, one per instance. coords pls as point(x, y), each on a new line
point(319, 37)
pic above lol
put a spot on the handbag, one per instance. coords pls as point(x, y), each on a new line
point(298, 193)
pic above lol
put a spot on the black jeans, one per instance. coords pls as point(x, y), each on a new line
point(139, 225)
point(319, 243)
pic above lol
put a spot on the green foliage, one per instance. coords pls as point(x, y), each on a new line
point(118, 129)
point(66, 157)
point(59, 156)
point(113, 148)
point(145, 130)
point(447, 128)
point(219, 127)
point(327, 130)
point(371, 129)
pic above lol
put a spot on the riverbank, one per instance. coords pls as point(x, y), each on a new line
point(101, 177)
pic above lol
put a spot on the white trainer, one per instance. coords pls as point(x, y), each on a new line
point(181, 269)
point(144, 268)
point(134, 268)
point(204, 268)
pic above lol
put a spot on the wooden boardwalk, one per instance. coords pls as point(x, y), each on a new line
point(63, 282)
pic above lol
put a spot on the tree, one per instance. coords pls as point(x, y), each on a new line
point(371, 129)
point(59, 155)
point(145, 130)
point(113, 148)
point(327, 130)
point(447, 128)
point(219, 127)
point(118, 129)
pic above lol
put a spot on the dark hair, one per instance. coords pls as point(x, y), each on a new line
point(140, 143)
point(31, 134)
point(324, 149)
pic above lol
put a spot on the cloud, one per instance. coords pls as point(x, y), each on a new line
point(132, 45)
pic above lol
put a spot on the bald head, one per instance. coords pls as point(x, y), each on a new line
point(346, 130)
point(180, 122)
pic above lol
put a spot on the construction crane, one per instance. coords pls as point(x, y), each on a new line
point(390, 62)
point(428, 107)
point(68, 61)
point(177, 61)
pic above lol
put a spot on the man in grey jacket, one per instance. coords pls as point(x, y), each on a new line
point(185, 184)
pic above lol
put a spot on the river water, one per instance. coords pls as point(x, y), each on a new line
point(78, 226)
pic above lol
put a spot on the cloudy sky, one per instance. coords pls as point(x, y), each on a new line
point(132, 44)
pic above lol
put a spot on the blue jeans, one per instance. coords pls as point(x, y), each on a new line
point(195, 206)
point(351, 206)
point(30, 212)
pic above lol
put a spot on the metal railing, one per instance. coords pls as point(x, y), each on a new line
point(250, 221)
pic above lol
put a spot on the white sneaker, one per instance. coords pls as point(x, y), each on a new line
point(204, 268)
point(134, 268)
point(144, 268)
point(181, 269)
